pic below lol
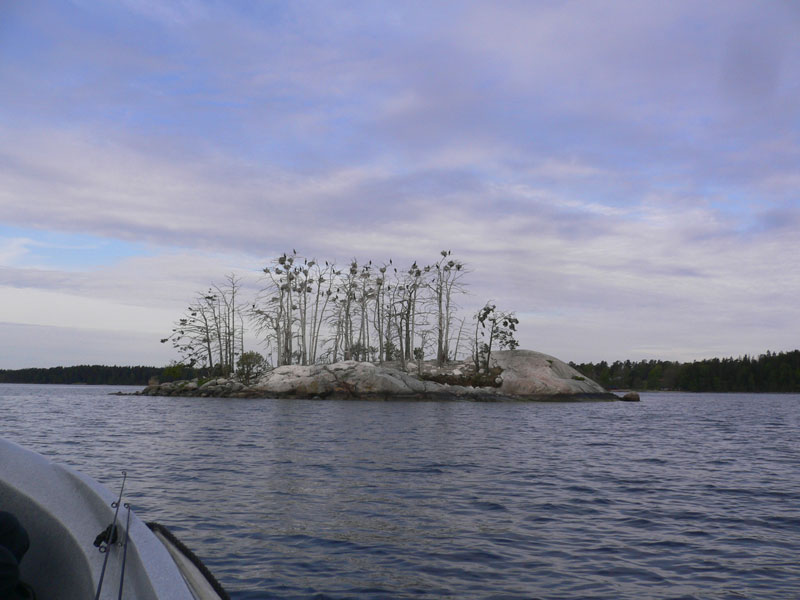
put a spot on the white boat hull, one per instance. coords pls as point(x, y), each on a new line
point(63, 511)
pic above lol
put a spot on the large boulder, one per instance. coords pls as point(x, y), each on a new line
point(527, 373)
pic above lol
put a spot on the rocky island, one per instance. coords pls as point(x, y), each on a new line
point(514, 375)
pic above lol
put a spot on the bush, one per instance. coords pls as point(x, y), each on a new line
point(250, 367)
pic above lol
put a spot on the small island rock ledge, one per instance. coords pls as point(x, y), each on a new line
point(523, 375)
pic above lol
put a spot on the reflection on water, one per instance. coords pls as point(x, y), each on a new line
point(694, 496)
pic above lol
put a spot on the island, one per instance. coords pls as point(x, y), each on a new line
point(514, 375)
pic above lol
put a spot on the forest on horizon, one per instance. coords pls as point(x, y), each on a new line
point(769, 372)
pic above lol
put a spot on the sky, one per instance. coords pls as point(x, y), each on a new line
point(624, 175)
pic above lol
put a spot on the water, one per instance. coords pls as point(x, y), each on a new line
point(679, 496)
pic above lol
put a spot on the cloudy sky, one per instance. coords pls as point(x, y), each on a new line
point(625, 175)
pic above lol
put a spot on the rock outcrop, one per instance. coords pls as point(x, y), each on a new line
point(526, 373)
point(366, 381)
point(521, 375)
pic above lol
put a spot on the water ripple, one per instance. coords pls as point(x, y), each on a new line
point(679, 496)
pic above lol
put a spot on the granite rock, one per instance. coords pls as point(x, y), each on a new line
point(524, 375)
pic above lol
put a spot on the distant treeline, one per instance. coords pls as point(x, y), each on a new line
point(768, 372)
point(95, 375)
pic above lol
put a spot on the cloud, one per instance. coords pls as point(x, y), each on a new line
point(167, 280)
point(53, 308)
point(178, 12)
point(13, 249)
point(553, 168)
point(612, 167)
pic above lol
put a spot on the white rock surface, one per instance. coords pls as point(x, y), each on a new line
point(348, 378)
point(531, 373)
point(526, 374)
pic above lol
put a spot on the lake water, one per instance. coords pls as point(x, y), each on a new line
point(678, 496)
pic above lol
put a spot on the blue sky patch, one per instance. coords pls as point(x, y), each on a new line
point(28, 247)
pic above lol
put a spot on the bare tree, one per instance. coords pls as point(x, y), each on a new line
point(292, 307)
point(308, 312)
point(446, 275)
point(191, 335)
point(211, 331)
point(347, 297)
point(379, 311)
point(413, 283)
point(273, 310)
point(228, 321)
point(323, 280)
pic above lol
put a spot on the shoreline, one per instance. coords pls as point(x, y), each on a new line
point(513, 376)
